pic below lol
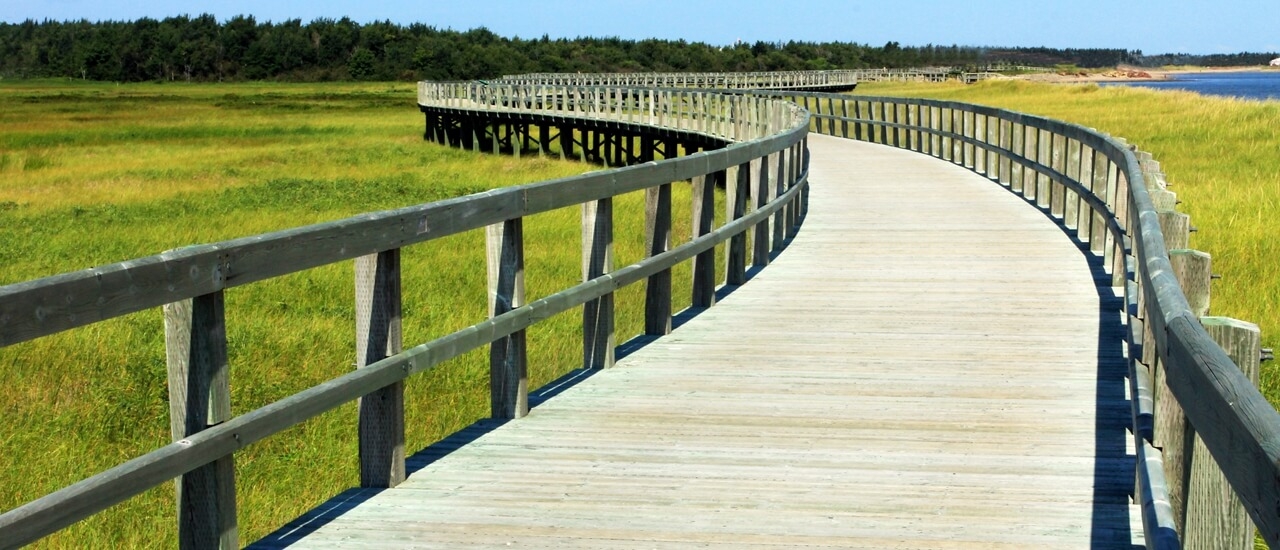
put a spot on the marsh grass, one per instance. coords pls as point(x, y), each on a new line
point(1220, 155)
point(98, 173)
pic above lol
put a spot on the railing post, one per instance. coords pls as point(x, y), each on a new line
point(858, 125)
point(200, 398)
point(736, 207)
point(508, 360)
point(381, 425)
point(704, 270)
point(760, 238)
point(597, 259)
point(1100, 234)
point(1058, 162)
point(1031, 174)
point(1215, 518)
point(780, 186)
point(657, 301)
point(844, 118)
point(1004, 164)
point(1173, 433)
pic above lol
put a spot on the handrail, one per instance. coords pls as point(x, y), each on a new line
point(763, 137)
point(773, 80)
point(1175, 365)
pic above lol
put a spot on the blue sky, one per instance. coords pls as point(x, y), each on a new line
point(1165, 26)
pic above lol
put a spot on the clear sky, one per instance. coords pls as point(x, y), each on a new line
point(1153, 26)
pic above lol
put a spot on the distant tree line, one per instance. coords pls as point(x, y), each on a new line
point(242, 48)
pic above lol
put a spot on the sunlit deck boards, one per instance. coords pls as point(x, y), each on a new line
point(926, 366)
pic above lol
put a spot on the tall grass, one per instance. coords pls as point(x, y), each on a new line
point(95, 173)
point(1221, 156)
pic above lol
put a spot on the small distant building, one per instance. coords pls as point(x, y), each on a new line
point(1275, 62)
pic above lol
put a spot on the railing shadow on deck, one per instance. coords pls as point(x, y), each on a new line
point(1110, 527)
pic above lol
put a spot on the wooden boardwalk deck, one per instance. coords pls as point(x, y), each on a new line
point(926, 366)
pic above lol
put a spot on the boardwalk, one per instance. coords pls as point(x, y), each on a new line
point(926, 366)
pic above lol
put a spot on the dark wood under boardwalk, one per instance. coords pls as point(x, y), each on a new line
point(928, 365)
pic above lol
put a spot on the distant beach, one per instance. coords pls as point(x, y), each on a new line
point(1137, 74)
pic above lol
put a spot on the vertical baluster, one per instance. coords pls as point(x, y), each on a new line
point(200, 398)
point(597, 259)
point(735, 207)
point(704, 270)
point(657, 303)
point(508, 359)
point(381, 426)
point(1215, 516)
point(781, 183)
point(760, 239)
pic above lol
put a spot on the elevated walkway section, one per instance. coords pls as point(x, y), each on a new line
point(931, 363)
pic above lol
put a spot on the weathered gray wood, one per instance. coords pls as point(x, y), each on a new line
point(1031, 150)
point(598, 339)
point(1071, 168)
point(657, 221)
point(1100, 238)
point(378, 336)
point(1176, 227)
point(704, 266)
point(200, 397)
point(1194, 271)
point(782, 182)
point(763, 193)
point(738, 186)
point(1235, 421)
point(1174, 436)
point(1216, 520)
point(508, 357)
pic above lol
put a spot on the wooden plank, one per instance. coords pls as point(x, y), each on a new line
point(378, 336)
point(200, 397)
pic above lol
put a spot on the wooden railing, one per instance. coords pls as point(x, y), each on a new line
point(763, 155)
point(1207, 442)
point(724, 117)
point(776, 80)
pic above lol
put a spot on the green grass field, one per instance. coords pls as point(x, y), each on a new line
point(1221, 156)
point(98, 173)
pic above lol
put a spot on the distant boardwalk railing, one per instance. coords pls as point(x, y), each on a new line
point(780, 80)
point(1207, 442)
point(760, 141)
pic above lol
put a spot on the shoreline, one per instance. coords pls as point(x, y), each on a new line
point(1135, 74)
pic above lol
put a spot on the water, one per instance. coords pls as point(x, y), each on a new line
point(1248, 85)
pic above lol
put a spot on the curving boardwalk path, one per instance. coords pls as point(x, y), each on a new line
point(926, 366)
